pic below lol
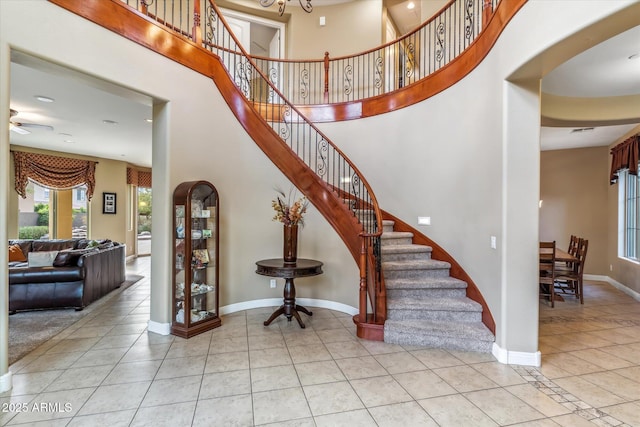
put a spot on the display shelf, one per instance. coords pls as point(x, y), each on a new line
point(196, 259)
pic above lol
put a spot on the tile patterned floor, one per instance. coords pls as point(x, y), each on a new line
point(107, 370)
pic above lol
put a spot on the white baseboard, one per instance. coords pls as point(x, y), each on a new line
point(276, 302)
point(159, 328)
point(613, 282)
point(5, 382)
point(165, 328)
point(516, 357)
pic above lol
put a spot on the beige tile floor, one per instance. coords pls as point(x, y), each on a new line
point(107, 370)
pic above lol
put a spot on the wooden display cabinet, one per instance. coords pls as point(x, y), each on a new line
point(195, 255)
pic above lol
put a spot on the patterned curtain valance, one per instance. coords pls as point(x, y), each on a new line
point(60, 173)
point(139, 178)
point(625, 156)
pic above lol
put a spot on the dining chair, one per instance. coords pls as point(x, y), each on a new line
point(570, 280)
point(547, 275)
point(573, 245)
point(567, 268)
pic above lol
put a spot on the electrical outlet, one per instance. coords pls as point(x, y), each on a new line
point(272, 283)
point(610, 267)
point(494, 242)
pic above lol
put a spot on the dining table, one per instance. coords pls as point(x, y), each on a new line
point(561, 256)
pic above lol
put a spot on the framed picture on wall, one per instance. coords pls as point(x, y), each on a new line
point(108, 203)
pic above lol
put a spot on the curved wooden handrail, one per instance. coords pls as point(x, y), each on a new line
point(120, 18)
point(456, 270)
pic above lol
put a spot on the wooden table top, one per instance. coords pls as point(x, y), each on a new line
point(278, 268)
point(561, 256)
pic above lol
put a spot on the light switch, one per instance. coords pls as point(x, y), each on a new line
point(494, 242)
point(424, 220)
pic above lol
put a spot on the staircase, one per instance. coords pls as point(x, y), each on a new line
point(425, 305)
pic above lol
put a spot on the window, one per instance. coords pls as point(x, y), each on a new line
point(47, 213)
point(629, 215)
point(81, 193)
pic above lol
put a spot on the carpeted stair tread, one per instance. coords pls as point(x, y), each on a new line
point(424, 264)
point(426, 283)
point(387, 235)
point(465, 330)
point(405, 249)
point(437, 304)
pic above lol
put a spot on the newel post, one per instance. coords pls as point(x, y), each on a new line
point(197, 31)
point(487, 11)
point(326, 77)
point(363, 280)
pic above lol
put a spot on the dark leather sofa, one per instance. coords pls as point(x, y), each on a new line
point(83, 276)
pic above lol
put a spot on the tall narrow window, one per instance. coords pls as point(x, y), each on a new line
point(630, 216)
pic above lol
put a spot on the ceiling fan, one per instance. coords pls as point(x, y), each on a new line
point(19, 127)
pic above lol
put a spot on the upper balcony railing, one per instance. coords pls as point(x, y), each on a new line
point(375, 72)
point(384, 69)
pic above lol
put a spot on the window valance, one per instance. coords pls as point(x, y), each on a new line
point(138, 177)
point(625, 156)
point(59, 173)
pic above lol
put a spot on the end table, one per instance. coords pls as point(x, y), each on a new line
point(278, 268)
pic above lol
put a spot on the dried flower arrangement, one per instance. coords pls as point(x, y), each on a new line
point(289, 213)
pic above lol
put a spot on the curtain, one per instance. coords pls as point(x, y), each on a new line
point(138, 177)
point(59, 173)
point(625, 156)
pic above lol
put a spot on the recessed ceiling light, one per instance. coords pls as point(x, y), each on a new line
point(579, 130)
point(411, 5)
point(635, 56)
point(44, 98)
point(69, 141)
point(148, 120)
point(109, 122)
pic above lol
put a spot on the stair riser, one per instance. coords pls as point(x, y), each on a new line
point(406, 256)
point(387, 228)
point(415, 274)
point(449, 316)
point(426, 293)
point(396, 241)
point(448, 343)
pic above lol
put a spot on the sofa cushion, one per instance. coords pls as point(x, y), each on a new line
point(16, 254)
point(42, 258)
point(53, 245)
point(25, 245)
point(69, 257)
point(45, 275)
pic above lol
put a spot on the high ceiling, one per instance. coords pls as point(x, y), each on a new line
point(84, 106)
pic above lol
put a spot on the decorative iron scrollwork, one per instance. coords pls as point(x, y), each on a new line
point(440, 31)
point(243, 76)
point(322, 149)
point(379, 79)
point(410, 61)
point(468, 17)
point(348, 79)
point(285, 122)
point(211, 27)
point(304, 83)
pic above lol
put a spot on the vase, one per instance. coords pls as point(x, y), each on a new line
point(290, 247)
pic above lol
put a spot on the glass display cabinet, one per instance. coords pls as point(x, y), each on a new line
point(195, 255)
